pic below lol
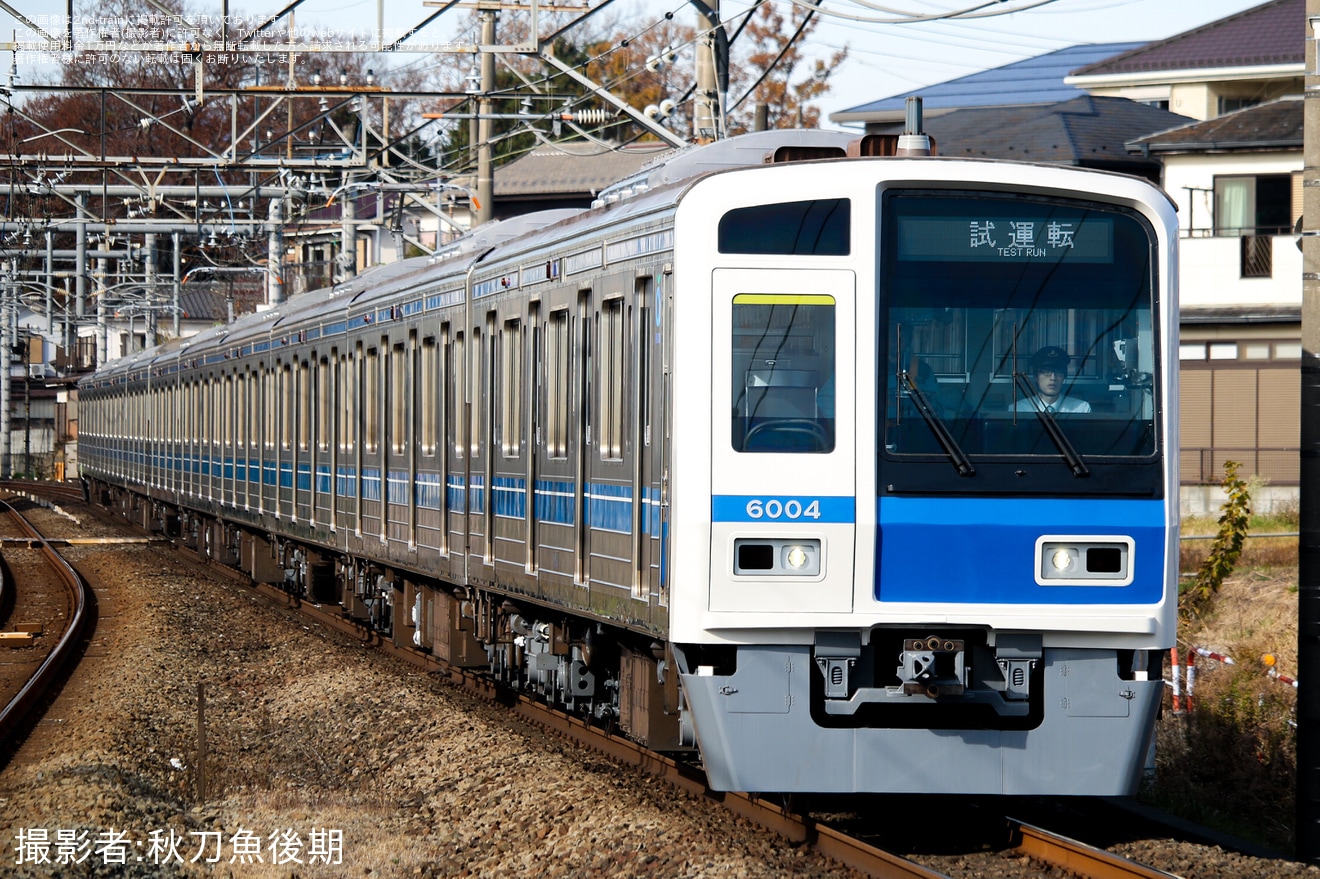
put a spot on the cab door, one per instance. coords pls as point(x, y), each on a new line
point(783, 440)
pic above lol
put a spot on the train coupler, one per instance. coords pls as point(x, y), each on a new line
point(933, 666)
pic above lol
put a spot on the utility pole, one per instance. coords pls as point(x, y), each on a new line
point(275, 253)
point(7, 346)
point(485, 178)
point(1307, 830)
point(347, 267)
point(711, 95)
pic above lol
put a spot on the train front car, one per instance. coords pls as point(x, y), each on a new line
point(925, 483)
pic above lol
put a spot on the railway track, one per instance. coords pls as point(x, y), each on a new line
point(1020, 840)
point(48, 611)
point(1076, 857)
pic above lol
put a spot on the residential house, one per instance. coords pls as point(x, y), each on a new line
point(1237, 181)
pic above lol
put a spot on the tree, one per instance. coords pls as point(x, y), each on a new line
point(647, 64)
point(770, 67)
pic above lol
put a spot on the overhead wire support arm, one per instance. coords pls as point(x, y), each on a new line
point(660, 131)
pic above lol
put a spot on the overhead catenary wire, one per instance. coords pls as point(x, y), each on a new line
point(902, 17)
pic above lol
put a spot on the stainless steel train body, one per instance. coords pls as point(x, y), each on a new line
point(746, 457)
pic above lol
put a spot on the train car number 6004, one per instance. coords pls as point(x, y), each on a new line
point(774, 508)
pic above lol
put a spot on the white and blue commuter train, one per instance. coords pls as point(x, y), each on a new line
point(734, 460)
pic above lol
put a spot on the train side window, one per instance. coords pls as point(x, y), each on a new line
point(511, 403)
point(228, 411)
point(371, 401)
point(269, 407)
point(428, 368)
point(612, 380)
point(557, 347)
point(783, 373)
point(286, 406)
point(398, 392)
point(324, 412)
point(304, 406)
point(457, 381)
point(348, 400)
point(254, 408)
point(479, 396)
point(217, 411)
point(240, 409)
point(797, 228)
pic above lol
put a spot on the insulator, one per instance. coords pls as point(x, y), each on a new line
point(592, 117)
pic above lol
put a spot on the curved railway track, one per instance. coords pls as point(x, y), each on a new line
point(50, 593)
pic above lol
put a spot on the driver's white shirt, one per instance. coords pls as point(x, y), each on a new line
point(1062, 404)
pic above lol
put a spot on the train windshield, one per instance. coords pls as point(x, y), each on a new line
point(1017, 330)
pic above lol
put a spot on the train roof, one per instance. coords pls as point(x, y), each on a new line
point(656, 187)
point(745, 150)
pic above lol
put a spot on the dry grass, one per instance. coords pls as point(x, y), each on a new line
point(1231, 761)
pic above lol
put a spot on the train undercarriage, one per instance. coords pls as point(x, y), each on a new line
point(604, 674)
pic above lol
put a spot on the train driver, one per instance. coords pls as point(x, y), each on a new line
point(1049, 370)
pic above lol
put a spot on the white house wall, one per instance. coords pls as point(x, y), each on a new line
point(1211, 271)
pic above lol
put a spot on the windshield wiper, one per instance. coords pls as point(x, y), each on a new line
point(1079, 468)
point(960, 459)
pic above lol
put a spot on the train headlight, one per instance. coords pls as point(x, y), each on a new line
point(777, 557)
point(1085, 560)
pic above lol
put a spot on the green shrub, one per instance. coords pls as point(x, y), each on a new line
point(1234, 521)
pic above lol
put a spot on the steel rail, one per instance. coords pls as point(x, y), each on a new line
point(1077, 857)
point(17, 712)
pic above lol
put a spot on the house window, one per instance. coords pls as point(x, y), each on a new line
point(1253, 204)
point(1191, 351)
point(1254, 207)
point(1232, 105)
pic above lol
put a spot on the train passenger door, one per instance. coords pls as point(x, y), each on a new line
point(455, 517)
point(506, 518)
point(647, 430)
point(302, 453)
point(783, 441)
point(397, 467)
point(584, 361)
point(533, 430)
point(482, 346)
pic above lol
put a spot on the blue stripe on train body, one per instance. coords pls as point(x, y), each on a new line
point(983, 550)
point(778, 509)
point(554, 501)
point(509, 497)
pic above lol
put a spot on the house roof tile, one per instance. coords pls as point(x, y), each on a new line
point(560, 168)
point(1088, 130)
point(1038, 80)
point(1272, 125)
point(1273, 33)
